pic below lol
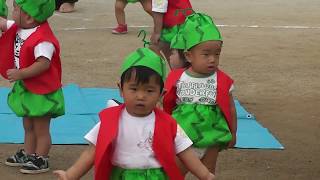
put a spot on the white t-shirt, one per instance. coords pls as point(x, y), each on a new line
point(45, 49)
point(133, 145)
point(160, 6)
point(191, 90)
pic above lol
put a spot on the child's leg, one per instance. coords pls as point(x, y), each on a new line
point(29, 136)
point(121, 17)
point(119, 11)
point(65, 6)
point(38, 163)
point(21, 156)
point(30, 143)
point(165, 48)
point(41, 127)
point(210, 159)
point(147, 6)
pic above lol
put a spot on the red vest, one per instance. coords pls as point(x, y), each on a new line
point(170, 18)
point(47, 82)
point(224, 83)
point(163, 142)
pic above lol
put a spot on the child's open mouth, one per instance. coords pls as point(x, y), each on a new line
point(140, 105)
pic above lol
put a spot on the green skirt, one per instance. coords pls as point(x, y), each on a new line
point(132, 1)
point(26, 104)
point(138, 174)
point(204, 124)
point(167, 34)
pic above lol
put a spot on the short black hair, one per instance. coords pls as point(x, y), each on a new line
point(142, 75)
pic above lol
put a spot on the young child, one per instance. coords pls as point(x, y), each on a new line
point(136, 140)
point(30, 57)
point(200, 97)
point(168, 15)
point(121, 17)
point(3, 9)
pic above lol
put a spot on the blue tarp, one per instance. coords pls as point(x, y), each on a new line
point(83, 105)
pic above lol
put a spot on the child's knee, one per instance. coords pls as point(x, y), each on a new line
point(147, 6)
point(27, 125)
point(120, 4)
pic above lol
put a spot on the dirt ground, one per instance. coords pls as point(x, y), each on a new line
point(275, 65)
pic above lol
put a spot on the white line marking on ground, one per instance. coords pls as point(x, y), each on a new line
point(229, 26)
point(273, 27)
point(71, 17)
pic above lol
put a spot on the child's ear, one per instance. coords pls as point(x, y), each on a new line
point(187, 55)
point(120, 89)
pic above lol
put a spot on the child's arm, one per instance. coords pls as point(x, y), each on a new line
point(194, 165)
point(3, 24)
point(158, 24)
point(233, 121)
point(80, 167)
point(159, 7)
point(38, 67)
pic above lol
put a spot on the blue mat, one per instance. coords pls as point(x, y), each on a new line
point(83, 104)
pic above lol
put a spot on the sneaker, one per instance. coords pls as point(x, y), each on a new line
point(120, 29)
point(35, 165)
point(19, 159)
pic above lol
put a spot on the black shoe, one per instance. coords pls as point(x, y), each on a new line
point(19, 159)
point(36, 164)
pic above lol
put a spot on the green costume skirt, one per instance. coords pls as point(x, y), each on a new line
point(26, 104)
point(132, 1)
point(138, 174)
point(167, 34)
point(204, 124)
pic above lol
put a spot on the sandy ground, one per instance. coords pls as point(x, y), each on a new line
point(275, 65)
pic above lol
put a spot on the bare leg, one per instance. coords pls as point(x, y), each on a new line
point(67, 7)
point(42, 132)
point(30, 140)
point(119, 11)
point(210, 159)
point(147, 6)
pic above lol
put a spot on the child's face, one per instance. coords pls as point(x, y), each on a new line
point(204, 57)
point(175, 60)
point(20, 17)
point(140, 99)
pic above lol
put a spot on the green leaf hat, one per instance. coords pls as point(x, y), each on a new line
point(197, 28)
point(40, 10)
point(3, 8)
point(145, 57)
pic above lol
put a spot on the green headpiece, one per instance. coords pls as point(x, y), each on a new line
point(145, 57)
point(197, 28)
point(40, 10)
point(3, 8)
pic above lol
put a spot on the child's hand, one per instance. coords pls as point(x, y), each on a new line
point(3, 24)
point(61, 175)
point(210, 177)
point(14, 75)
point(233, 141)
point(155, 37)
